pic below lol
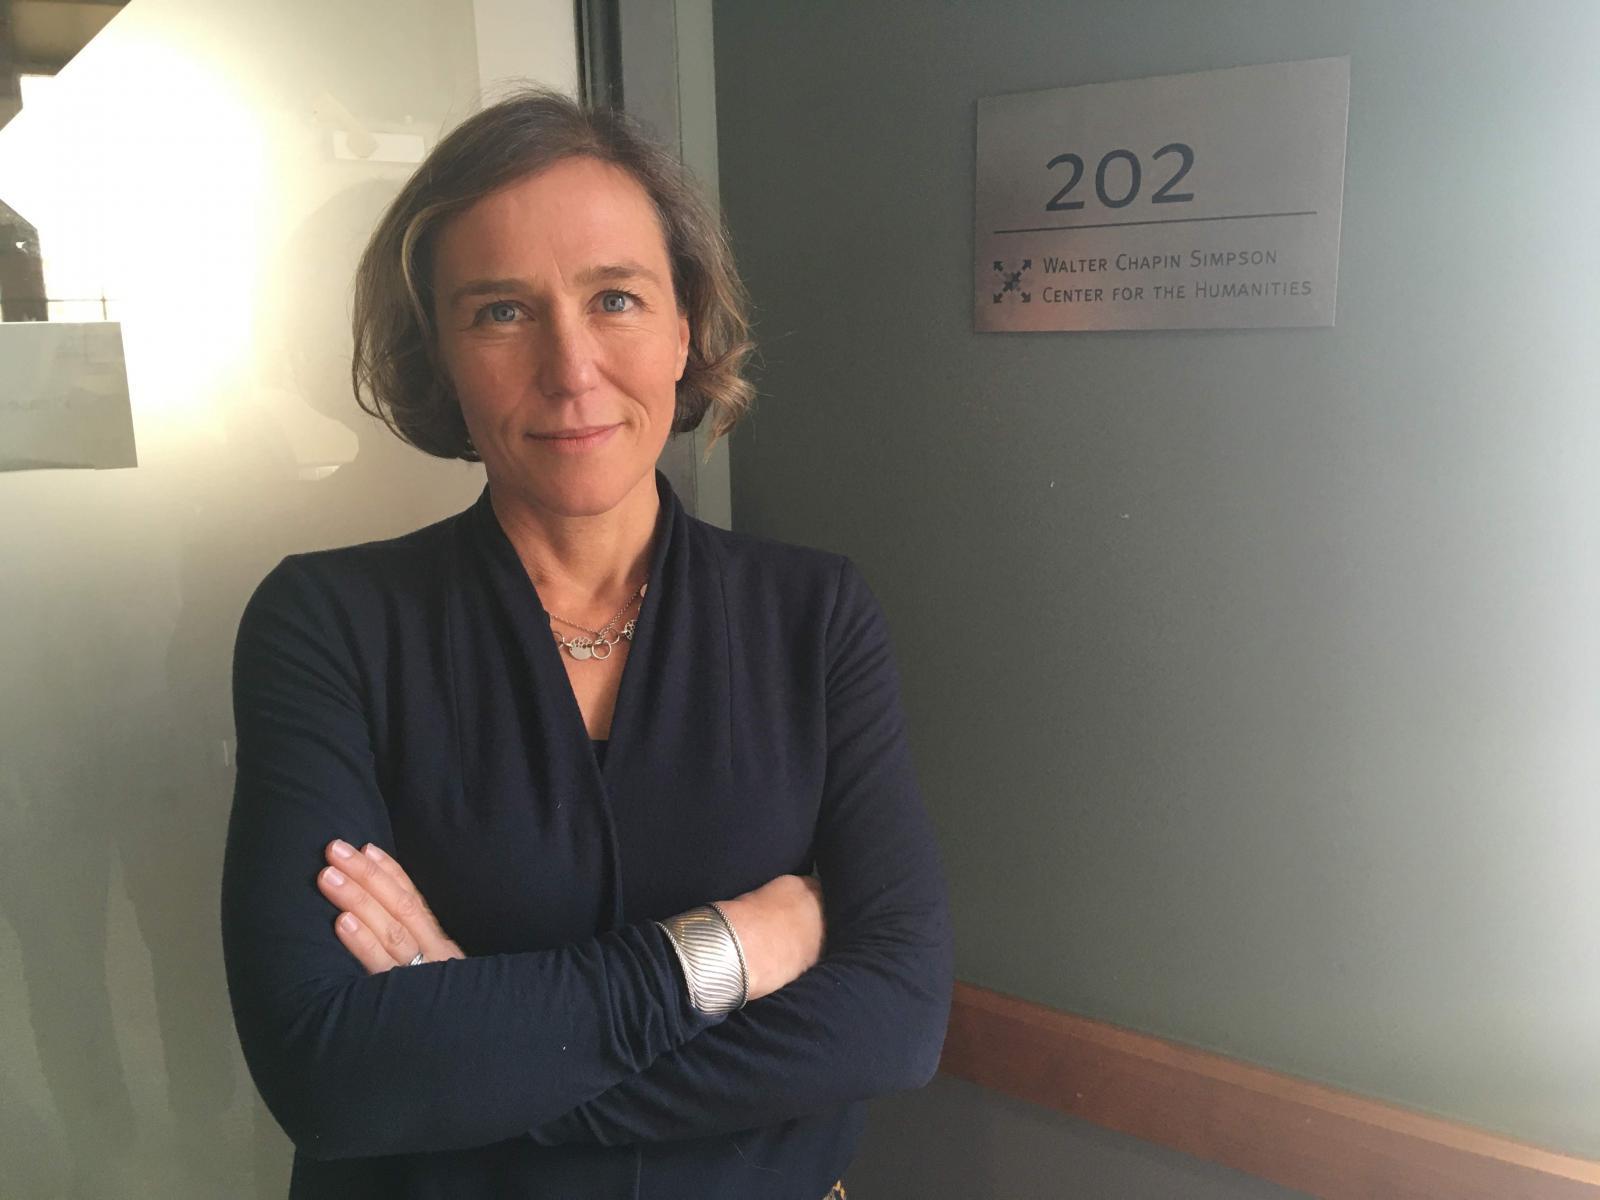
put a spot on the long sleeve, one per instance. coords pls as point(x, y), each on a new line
point(870, 1017)
point(435, 1057)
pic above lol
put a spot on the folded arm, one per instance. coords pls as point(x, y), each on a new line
point(870, 1017)
point(435, 1057)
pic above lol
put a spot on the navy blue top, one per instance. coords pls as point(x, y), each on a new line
point(409, 692)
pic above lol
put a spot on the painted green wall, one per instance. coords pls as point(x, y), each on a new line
point(1254, 676)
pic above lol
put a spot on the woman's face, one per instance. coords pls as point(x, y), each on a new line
point(560, 332)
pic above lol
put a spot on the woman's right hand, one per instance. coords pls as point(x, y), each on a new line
point(780, 926)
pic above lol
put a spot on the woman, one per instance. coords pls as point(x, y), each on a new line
point(536, 744)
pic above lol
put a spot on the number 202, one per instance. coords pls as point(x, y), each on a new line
point(1164, 195)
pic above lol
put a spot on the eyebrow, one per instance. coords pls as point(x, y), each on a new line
point(619, 272)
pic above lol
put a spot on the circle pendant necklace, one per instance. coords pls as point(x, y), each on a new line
point(599, 643)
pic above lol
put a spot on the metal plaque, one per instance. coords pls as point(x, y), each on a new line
point(1204, 201)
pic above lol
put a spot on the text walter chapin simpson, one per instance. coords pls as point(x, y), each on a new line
point(1198, 288)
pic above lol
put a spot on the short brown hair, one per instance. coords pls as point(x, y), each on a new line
point(395, 370)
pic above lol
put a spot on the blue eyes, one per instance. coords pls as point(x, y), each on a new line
point(505, 312)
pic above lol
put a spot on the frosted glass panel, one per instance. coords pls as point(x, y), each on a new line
point(206, 175)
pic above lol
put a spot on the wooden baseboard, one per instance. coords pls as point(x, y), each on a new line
point(1316, 1139)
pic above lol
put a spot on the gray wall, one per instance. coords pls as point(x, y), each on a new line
point(956, 1141)
point(1254, 676)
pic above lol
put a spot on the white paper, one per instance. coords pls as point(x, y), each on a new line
point(64, 397)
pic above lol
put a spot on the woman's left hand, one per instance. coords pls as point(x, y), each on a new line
point(383, 919)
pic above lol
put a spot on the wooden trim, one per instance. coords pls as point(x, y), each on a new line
point(1329, 1143)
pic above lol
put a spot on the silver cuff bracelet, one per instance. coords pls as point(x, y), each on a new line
point(712, 959)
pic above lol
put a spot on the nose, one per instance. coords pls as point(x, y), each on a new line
point(567, 353)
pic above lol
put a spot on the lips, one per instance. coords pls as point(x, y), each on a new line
point(574, 440)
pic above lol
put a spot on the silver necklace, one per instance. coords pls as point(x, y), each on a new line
point(599, 642)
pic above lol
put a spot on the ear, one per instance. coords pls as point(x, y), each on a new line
point(683, 345)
